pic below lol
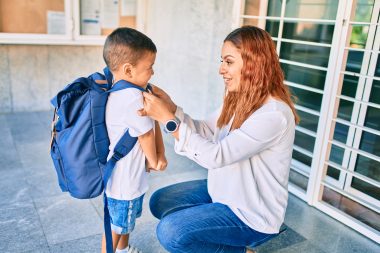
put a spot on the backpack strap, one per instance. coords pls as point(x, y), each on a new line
point(122, 148)
point(108, 75)
point(122, 84)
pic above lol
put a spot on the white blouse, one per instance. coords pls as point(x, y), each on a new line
point(248, 168)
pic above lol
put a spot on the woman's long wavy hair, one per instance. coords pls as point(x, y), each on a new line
point(261, 76)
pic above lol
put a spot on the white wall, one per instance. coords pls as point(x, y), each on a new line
point(188, 35)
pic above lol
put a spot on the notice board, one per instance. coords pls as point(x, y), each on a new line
point(27, 16)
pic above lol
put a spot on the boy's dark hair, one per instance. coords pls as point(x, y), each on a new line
point(126, 45)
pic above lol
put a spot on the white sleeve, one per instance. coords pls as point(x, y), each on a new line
point(205, 128)
point(138, 125)
point(257, 133)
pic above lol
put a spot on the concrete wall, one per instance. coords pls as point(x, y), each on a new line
point(31, 75)
point(188, 35)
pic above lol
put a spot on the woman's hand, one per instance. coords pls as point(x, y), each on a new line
point(159, 106)
point(165, 97)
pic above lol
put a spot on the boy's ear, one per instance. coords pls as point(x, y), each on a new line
point(127, 69)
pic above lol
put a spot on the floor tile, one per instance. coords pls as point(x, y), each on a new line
point(45, 118)
point(9, 158)
point(286, 239)
point(88, 244)
point(64, 218)
point(313, 224)
point(35, 154)
point(13, 187)
point(305, 246)
point(42, 182)
point(20, 228)
point(23, 123)
point(351, 241)
point(144, 237)
point(97, 203)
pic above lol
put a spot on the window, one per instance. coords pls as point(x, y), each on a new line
point(355, 177)
point(66, 21)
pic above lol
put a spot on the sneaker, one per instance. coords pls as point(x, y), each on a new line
point(129, 249)
point(132, 249)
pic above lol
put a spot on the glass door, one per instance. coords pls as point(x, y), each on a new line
point(351, 182)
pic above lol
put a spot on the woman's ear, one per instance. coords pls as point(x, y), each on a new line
point(127, 69)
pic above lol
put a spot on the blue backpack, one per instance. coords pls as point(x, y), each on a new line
point(80, 143)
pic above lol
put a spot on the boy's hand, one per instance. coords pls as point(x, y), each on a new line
point(148, 166)
point(162, 163)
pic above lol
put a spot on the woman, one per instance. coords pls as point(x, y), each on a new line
point(246, 147)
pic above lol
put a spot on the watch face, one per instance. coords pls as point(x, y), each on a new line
point(171, 125)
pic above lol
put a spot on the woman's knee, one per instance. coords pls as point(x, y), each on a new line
point(171, 234)
point(155, 204)
point(179, 196)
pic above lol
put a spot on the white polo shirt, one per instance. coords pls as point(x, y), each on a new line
point(129, 178)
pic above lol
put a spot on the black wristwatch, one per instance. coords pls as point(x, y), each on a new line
point(171, 125)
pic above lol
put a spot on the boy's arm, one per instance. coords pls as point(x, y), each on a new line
point(148, 145)
point(160, 148)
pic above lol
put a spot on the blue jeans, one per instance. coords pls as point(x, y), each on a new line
point(190, 222)
point(123, 214)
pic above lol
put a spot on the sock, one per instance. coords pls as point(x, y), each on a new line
point(122, 250)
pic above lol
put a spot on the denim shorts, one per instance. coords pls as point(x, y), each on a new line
point(123, 214)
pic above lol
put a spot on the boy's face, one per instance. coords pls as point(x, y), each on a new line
point(143, 70)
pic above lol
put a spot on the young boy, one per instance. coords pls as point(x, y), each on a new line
point(130, 56)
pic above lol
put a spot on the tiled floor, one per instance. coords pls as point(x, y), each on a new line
point(36, 217)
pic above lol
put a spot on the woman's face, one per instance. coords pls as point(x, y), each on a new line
point(231, 65)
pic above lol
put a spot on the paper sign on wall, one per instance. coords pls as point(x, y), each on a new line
point(110, 13)
point(90, 17)
point(56, 22)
